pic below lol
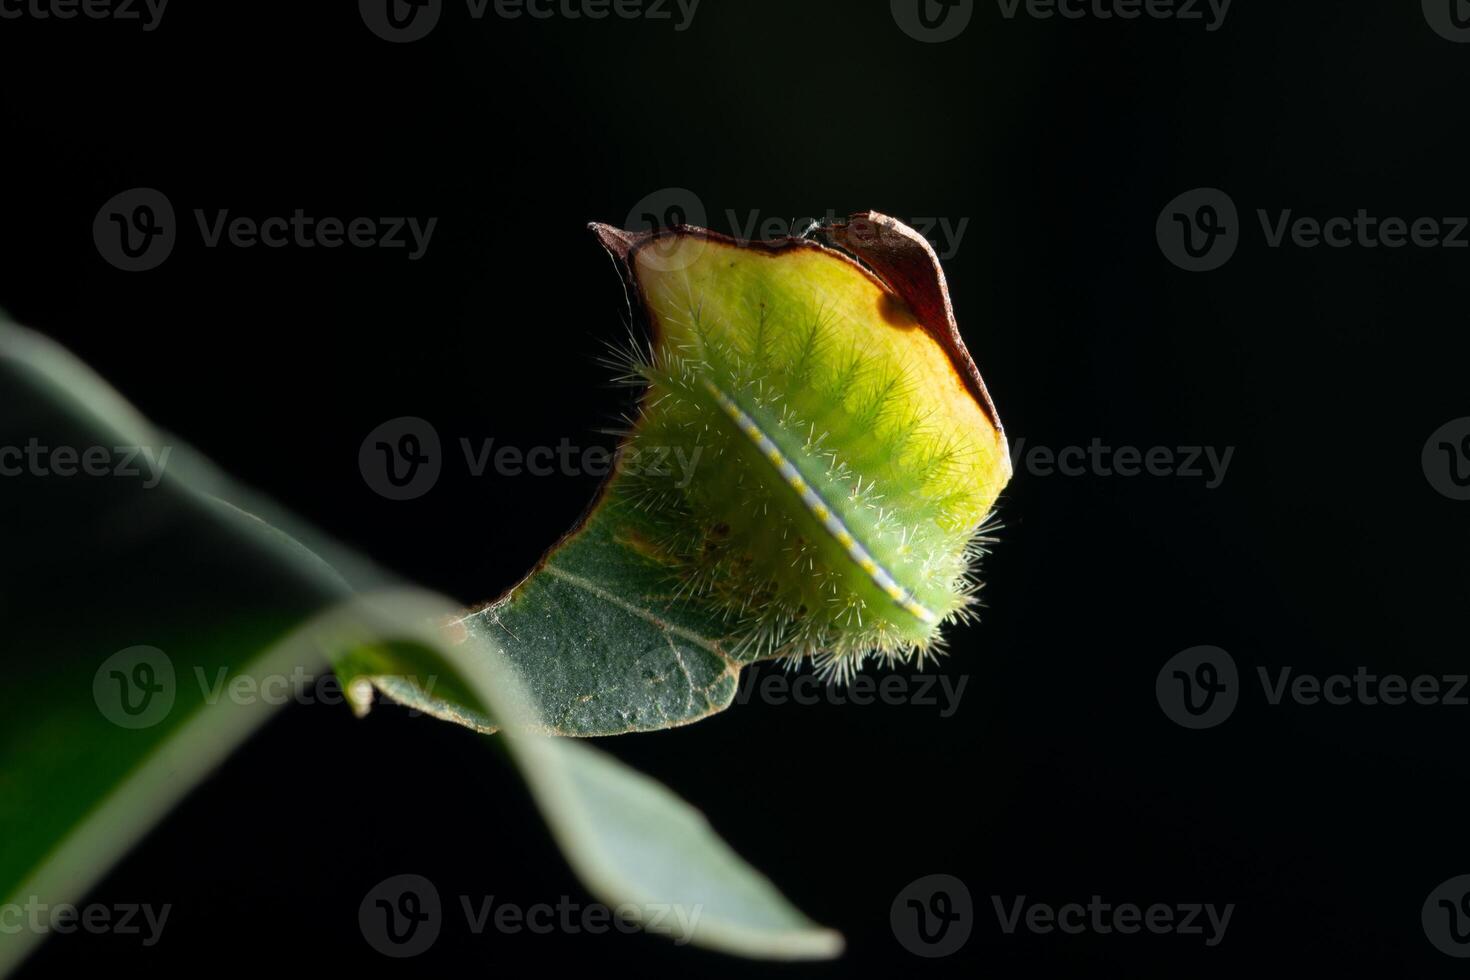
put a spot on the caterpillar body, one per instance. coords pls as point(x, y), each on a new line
point(845, 467)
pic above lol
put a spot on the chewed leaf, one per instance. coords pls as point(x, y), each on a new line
point(808, 474)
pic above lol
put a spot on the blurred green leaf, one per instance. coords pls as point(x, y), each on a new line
point(135, 603)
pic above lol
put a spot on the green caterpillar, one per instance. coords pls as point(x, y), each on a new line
point(848, 455)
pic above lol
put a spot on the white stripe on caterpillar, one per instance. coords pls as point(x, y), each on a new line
point(819, 508)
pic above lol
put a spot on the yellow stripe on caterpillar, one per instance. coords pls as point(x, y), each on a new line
point(824, 514)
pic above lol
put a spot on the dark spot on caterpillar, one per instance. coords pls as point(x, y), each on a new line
point(895, 312)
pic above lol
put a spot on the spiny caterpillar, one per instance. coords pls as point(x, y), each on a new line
point(847, 462)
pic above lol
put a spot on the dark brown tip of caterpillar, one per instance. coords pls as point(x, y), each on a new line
point(906, 263)
point(617, 241)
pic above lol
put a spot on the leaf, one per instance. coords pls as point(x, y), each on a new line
point(628, 835)
point(596, 640)
point(181, 577)
point(603, 630)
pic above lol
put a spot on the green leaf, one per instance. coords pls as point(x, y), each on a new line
point(190, 581)
point(599, 643)
point(627, 835)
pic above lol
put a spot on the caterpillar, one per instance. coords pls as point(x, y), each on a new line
point(848, 454)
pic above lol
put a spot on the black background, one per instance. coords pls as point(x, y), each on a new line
point(1059, 777)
